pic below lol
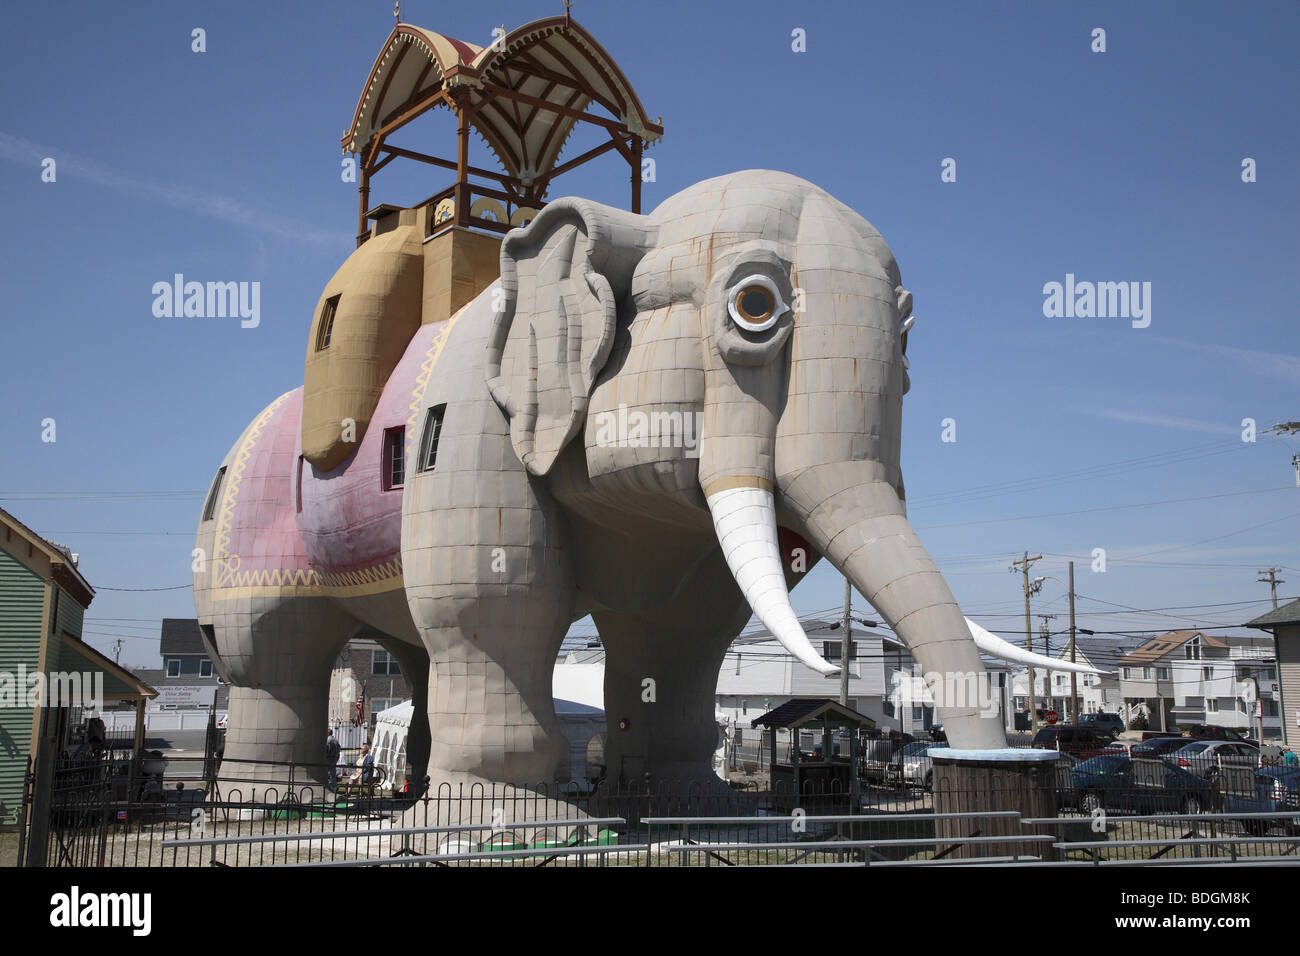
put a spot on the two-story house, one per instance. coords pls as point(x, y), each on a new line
point(1098, 693)
point(188, 680)
point(1189, 677)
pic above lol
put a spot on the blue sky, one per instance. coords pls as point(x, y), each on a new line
point(1115, 166)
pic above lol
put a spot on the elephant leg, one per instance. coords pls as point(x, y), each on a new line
point(491, 714)
point(414, 662)
point(277, 654)
point(492, 620)
point(661, 678)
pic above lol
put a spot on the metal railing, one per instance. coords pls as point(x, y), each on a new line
point(253, 819)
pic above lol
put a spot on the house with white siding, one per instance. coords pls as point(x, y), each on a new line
point(1283, 624)
point(758, 674)
point(1189, 677)
point(1098, 693)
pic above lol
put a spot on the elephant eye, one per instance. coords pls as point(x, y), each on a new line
point(755, 303)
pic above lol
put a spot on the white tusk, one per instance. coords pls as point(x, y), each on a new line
point(994, 646)
point(745, 522)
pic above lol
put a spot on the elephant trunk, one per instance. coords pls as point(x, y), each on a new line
point(853, 516)
point(744, 518)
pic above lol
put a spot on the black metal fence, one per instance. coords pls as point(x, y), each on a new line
point(96, 821)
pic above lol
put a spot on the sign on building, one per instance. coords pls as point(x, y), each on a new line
point(184, 697)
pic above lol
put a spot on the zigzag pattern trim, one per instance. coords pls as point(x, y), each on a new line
point(389, 570)
point(225, 564)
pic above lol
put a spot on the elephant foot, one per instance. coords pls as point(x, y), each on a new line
point(274, 745)
point(493, 815)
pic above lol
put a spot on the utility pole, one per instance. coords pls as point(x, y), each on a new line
point(1272, 580)
point(1044, 629)
point(1288, 428)
point(845, 643)
point(1074, 675)
point(117, 645)
point(1023, 566)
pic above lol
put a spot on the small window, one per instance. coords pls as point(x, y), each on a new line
point(1211, 705)
point(831, 650)
point(1146, 673)
point(394, 457)
point(1128, 673)
point(327, 323)
point(205, 668)
point(173, 667)
point(385, 665)
point(432, 433)
point(1162, 673)
point(214, 494)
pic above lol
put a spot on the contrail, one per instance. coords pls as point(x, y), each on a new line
point(223, 208)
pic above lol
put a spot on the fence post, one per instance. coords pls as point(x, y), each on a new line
point(22, 819)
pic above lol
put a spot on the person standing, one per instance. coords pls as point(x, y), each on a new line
point(332, 750)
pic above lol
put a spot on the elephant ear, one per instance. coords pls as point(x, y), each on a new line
point(562, 278)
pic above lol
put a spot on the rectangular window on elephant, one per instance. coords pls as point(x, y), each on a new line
point(394, 457)
point(432, 433)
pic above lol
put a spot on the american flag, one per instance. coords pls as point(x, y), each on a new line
point(359, 718)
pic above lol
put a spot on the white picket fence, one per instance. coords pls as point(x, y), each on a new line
point(122, 723)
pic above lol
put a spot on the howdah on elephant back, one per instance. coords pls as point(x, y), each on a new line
point(477, 510)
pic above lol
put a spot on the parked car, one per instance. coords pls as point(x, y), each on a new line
point(1157, 747)
point(1081, 742)
point(1208, 758)
point(913, 766)
point(1213, 732)
point(1114, 782)
point(1103, 723)
point(877, 752)
point(1160, 734)
point(1277, 790)
point(1066, 796)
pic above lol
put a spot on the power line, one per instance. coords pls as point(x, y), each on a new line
point(997, 489)
point(1083, 511)
point(95, 495)
point(179, 587)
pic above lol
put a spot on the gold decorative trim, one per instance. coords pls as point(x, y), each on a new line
point(225, 566)
point(737, 481)
point(425, 373)
point(230, 583)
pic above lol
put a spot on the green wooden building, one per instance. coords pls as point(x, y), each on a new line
point(43, 600)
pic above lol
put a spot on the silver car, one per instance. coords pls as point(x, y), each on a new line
point(914, 765)
point(1211, 759)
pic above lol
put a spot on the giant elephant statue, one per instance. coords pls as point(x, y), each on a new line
point(645, 419)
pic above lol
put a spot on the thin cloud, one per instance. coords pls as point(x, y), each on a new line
point(1263, 363)
point(222, 208)
point(1161, 421)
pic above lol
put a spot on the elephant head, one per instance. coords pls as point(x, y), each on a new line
point(777, 315)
